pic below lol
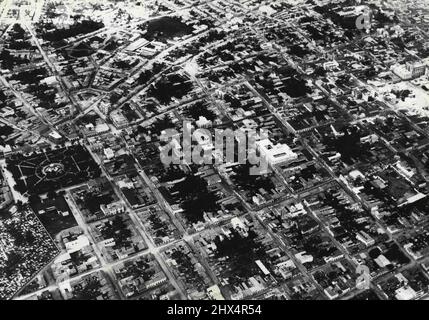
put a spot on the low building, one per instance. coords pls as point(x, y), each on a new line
point(113, 208)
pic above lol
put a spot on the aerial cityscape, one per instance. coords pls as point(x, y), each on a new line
point(214, 150)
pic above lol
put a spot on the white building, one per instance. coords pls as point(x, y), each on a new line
point(77, 244)
point(214, 293)
point(365, 238)
point(275, 154)
point(109, 153)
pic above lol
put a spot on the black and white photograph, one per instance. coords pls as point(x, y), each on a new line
point(202, 157)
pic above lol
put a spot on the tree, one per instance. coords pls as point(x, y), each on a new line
point(13, 259)
point(29, 236)
point(34, 199)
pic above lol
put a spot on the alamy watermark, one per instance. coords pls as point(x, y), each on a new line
point(228, 146)
point(364, 20)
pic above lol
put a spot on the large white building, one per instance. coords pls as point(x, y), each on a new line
point(275, 154)
point(410, 70)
